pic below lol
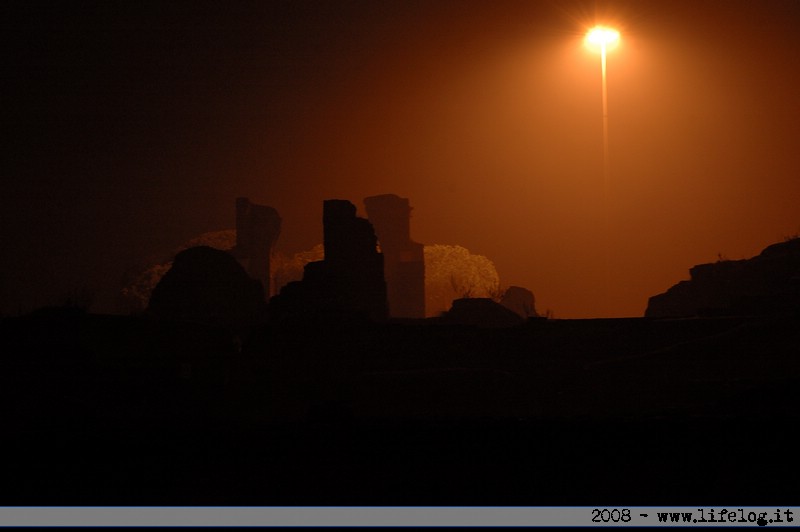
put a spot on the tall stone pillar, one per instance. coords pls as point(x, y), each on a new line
point(257, 231)
point(404, 259)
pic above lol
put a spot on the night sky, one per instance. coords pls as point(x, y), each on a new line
point(131, 127)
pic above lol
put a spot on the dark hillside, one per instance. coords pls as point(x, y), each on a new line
point(767, 284)
point(111, 410)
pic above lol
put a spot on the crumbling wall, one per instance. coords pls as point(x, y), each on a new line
point(257, 231)
point(349, 280)
point(520, 300)
point(404, 259)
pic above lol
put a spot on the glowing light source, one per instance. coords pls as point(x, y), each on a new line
point(602, 36)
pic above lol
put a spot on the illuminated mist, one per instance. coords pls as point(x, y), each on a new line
point(486, 115)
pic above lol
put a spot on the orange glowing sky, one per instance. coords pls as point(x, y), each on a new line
point(487, 115)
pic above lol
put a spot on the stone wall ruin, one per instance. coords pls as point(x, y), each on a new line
point(349, 280)
point(257, 231)
point(404, 259)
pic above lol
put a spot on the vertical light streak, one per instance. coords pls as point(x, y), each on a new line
point(602, 37)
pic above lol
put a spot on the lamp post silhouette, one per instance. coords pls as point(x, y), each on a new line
point(604, 38)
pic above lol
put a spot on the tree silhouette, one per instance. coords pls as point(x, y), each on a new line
point(452, 272)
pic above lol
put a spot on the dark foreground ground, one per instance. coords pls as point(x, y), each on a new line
point(102, 410)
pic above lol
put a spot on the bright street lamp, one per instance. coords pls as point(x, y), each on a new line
point(604, 38)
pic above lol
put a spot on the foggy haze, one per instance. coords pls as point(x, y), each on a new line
point(134, 126)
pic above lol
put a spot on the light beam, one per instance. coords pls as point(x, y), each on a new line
point(604, 38)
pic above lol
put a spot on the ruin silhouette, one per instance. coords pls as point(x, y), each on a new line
point(349, 280)
point(257, 231)
point(133, 126)
point(210, 398)
point(404, 259)
point(481, 312)
point(520, 300)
